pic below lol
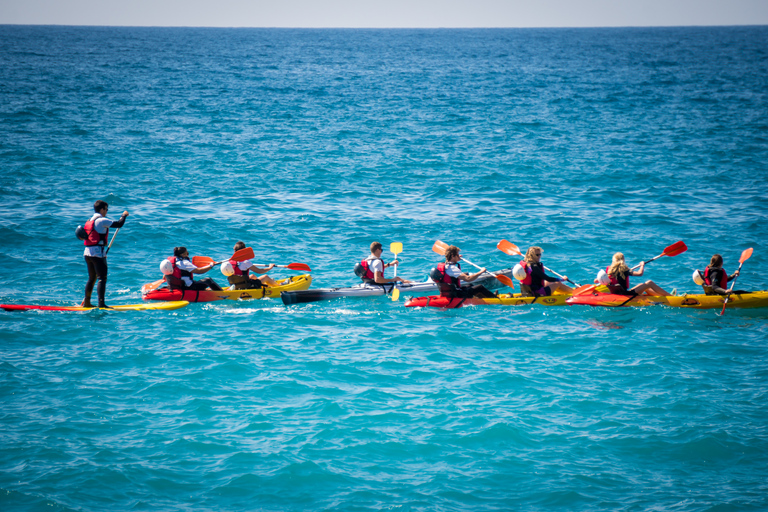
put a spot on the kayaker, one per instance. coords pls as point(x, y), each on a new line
point(240, 276)
point(182, 270)
point(97, 234)
point(715, 278)
point(618, 274)
point(535, 282)
point(371, 269)
point(449, 276)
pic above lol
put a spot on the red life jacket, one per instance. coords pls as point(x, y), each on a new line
point(175, 279)
point(528, 279)
point(723, 279)
point(94, 237)
point(616, 282)
point(445, 278)
point(369, 275)
point(238, 272)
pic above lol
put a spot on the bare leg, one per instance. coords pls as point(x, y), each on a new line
point(267, 281)
point(651, 288)
point(558, 286)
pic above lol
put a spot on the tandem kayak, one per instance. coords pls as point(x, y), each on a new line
point(507, 299)
point(371, 290)
point(614, 300)
point(122, 307)
point(294, 283)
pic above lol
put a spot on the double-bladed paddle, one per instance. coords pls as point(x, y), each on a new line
point(672, 250)
point(440, 247)
point(200, 261)
point(508, 247)
point(396, 248)
point(744, 257)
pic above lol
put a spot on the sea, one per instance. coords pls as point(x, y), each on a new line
point(308, 145)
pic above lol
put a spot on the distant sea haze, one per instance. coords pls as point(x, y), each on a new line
point(308, 145)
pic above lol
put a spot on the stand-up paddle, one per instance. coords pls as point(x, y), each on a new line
point(396, 248)
point(440, 247)
point(744, 257)
point(508, 247)
point(673, 250)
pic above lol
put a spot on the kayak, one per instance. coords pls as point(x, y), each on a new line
point(122, 307)
point(614, 300)
point(300, 282)
point(757, 299)
point(372, 290)
point(506, 299)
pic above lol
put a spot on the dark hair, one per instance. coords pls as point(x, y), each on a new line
point(239, 245)
point(98, 205)
point(178, 251)
point(451, 252)
point(716, 261)
point(375, 246)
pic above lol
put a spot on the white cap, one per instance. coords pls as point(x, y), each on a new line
point(697, 278)
point(519, 272)
point(166, 267)
point(227, 269)
point(603, 278)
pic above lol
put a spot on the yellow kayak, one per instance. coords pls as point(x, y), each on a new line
point(295, 283)
point(757, 299)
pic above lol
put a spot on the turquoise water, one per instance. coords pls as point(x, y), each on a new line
point(310, 144)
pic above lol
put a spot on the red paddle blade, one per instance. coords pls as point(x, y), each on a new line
point(675, 249)
point(201, 261)
point(243, 254)
point(508, 247)
point(299, 266)
point(745, 255)
point(440, 247)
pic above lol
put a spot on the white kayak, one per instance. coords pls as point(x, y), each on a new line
point(427, 287)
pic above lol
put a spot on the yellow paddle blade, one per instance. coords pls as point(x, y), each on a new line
point(395, 294)
point(396, 248)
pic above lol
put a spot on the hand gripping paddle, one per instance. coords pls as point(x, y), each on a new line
point(440, 248)
point(744, 257)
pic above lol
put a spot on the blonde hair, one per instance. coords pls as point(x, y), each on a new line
point(618, 265)
point(530, 253)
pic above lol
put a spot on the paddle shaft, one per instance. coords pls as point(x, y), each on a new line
point(508, 247)
point(730, 290)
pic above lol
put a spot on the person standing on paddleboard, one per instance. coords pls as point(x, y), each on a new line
point(178, 271)
point(449, 276)
point(715, 279)
point(96, 232)
point(618, 274)
point(240, 276)
point(371, 269)
point(534, 281)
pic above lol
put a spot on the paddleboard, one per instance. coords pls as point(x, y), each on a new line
point(121, 307)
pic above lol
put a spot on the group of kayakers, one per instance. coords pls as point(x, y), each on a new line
point(179, 270)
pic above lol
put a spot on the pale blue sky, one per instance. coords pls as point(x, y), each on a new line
point(385, 13)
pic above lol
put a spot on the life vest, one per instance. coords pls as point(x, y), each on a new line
point(174, 279)
point(723, 278)
point(615, 282)
point(241, 279)
point(364, 272)
point(440, 276)
point(94, 237)
point(528, 271)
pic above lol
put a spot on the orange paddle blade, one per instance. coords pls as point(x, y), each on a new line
point(151, 286)
point(675, 249)
point(507, 281)
point(508, 247)
point(440, 247)
point(201, 261)
point(243, 254)
point(584, 289)
point(745, 255)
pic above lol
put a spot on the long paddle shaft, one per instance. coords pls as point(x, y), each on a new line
point(508, 247)
point(440, 247)
point(111, 241)
point(672, 250)
point(744, 257)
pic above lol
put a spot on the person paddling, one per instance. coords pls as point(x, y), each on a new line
point(715, 279)
point(238, 273)
point(448, 276)
point(178, 270)
point(371, 269)
point(95, 254)
point(534, 282)
point(618, 274)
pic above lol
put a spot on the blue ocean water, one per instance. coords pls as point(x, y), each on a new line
point(310, 144)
